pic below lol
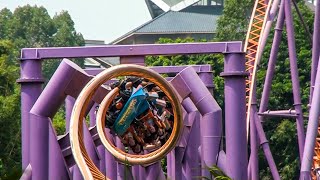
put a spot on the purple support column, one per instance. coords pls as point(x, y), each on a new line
point(312, 131)
point(142, 172)
point(272, 60)
point(123, 172)
point(39, 146)
point(69, 103)
point(57, 165)
point(211, 126)
point(254, 163)
point(222, 161)
point(111, 165)
point(101, 151)
point(264, 102)
point(154, 172)
point(207, 79)
point(294, 76)
point(192, 162)
point(90, 146)
point(267, 28)
point(235, 120)
point(169, 165)
point(175, 168)
point(135, 172)
point(27, 174)
point(265, 145)
point(315, 47)
point(76, 173)
point(31, 85)
point(92, 115)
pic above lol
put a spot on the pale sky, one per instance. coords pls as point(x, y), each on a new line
point(95, 19)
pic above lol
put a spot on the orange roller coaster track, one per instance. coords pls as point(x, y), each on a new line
point(258, 20)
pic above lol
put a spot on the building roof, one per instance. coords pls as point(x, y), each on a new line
point(173, 22)
point(176, 22)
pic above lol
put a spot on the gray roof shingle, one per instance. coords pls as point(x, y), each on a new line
point(176, 22)
point(173, 22)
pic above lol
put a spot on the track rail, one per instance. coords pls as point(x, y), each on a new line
point(258, 20)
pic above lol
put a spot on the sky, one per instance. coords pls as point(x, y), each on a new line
point(95, 19)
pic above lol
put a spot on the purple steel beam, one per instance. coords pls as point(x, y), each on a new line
point(177, 69)
point(135, 171)
point(207, 79)
point(265, 99)
point(222, 161)
point(69, 103)
point(178, 152)
point(294, 75)
point(139, 60)
point(272, 15)
point(235, 121)
point(175, 167)
point(254, 161)
point(90, 146)
point(272, 61)
point(265, 145)
point(31, 86)
point(57, 166)
point(111, 165)
point(92, 115)
point(27, 174)
point(122, 170)
point(154, 172)
point(101, 149)
point(131, 50)
point(263, 142)
point(192, 162)
point(188, 81)
point(315, 47)
point(161, 69)
point(142, 172)
point(312, 131)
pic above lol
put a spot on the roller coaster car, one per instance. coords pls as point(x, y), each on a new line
point(142, 109)
point(140, 115)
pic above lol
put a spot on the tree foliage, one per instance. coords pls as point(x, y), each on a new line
point(28, 26)
point(9, 112)
point(233, 23)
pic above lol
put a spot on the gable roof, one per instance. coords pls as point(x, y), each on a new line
point(176, 22)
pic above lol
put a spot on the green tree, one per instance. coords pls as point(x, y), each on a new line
point(32, 26)
point(9, 112)
point(5, 18)
point(28, 26)
point(65, 35)
point(233, 23)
